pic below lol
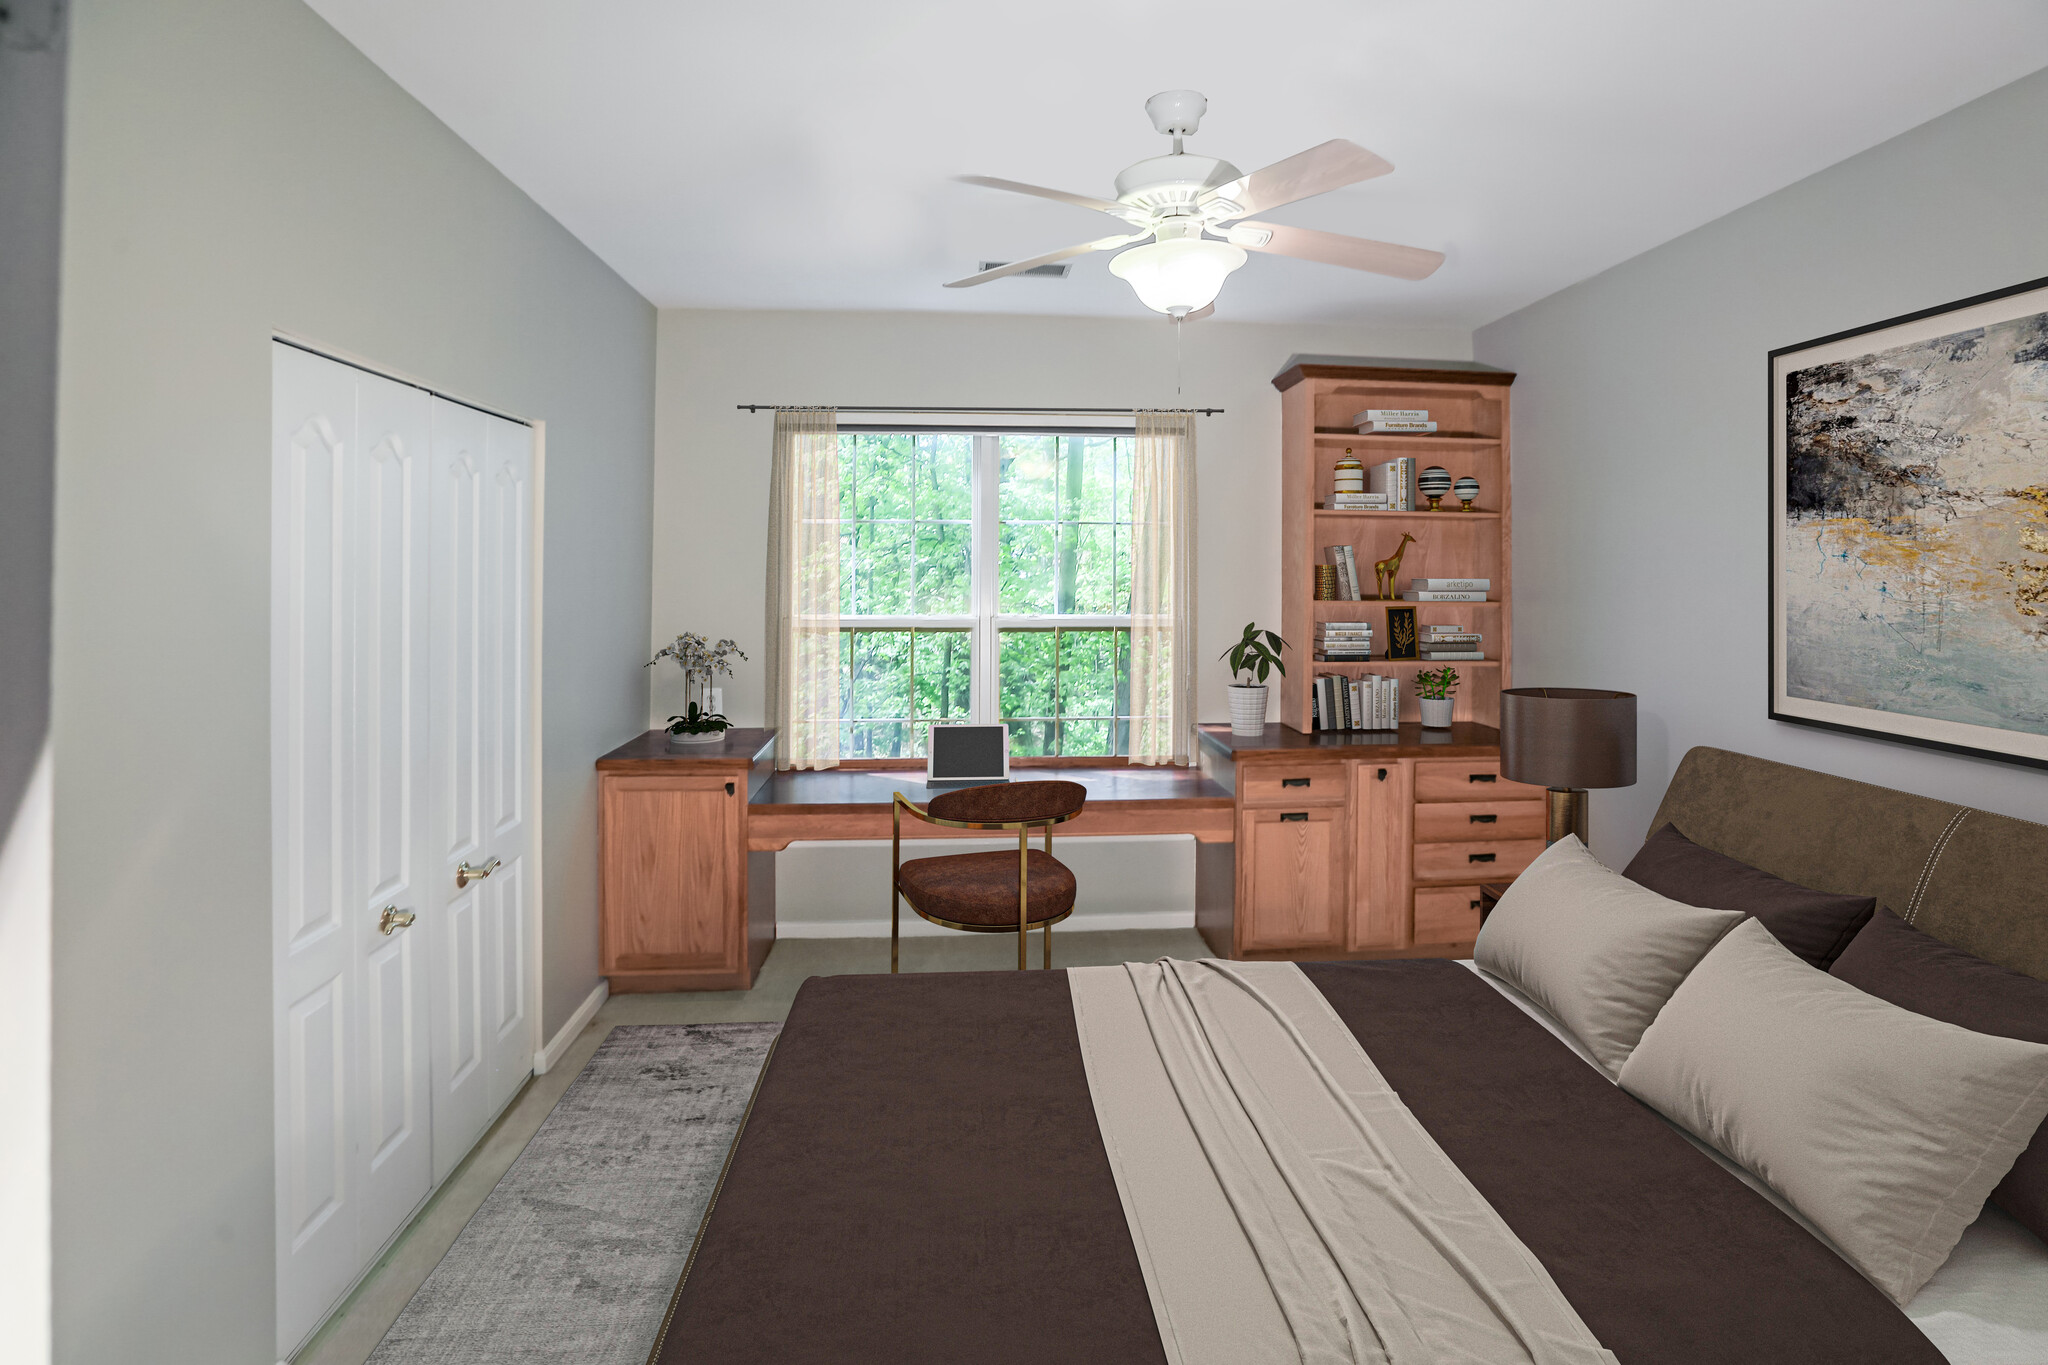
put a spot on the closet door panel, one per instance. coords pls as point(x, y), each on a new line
point(507, 687)
point(312, 798)
point(391, 703)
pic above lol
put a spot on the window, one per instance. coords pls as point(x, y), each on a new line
point(985, 576)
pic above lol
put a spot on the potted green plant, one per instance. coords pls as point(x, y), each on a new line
point(703, 720)
point(1252, 659)
point(1433, 689)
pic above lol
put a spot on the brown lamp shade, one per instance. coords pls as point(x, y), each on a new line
point(1568, 737)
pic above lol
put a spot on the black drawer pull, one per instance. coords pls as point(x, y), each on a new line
point(1297, 815)
point(1482, 777)
point(1484, 819)
point(1475, 905)
point(1294, 781)
point(728, 789)
point(1383, 774)
point(1478, 857)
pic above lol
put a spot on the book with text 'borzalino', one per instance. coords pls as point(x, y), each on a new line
point(1443, 597)
point(1450, 584)
point(1432, 655)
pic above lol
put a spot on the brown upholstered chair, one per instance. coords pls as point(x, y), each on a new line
point(988, 893)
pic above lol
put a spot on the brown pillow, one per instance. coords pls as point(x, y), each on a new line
point(1894, 961)
point(1815, 925)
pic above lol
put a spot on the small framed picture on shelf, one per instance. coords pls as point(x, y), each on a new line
point(1402, 642)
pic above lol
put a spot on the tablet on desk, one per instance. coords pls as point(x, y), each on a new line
point(962, 755)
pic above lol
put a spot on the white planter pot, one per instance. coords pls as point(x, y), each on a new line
point(1436, 712)
point(692, 741)
point(1247, 709)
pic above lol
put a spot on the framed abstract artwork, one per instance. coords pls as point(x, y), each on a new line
point(1909, 528)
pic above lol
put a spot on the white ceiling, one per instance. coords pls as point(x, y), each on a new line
point(796, 153)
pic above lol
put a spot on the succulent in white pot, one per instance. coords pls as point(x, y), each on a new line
point(1434, 689)
point(1252, 659)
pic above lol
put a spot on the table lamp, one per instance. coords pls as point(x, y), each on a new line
point(1568, 739)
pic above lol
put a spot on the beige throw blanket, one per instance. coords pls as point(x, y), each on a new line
point(1284, 1203)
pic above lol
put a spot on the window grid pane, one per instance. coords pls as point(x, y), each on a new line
point(895, 682)
point(1065, 692)
point(1064, 508)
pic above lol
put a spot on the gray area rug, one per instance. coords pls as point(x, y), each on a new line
point(574, 1254)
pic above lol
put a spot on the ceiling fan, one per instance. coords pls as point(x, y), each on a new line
point(1186, 202)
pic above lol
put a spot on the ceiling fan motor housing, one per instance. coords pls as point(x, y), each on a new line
point(1172, 184)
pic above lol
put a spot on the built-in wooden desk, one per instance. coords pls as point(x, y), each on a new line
point(1307, 845)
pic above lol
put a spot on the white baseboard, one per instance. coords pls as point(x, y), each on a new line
point(913, 927)
point(559, 1044)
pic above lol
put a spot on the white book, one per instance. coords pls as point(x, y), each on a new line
point(1452, 640)
point(1347, 575)
point(1390, 415)
point(1450, 584)
point(1434, 654)
point(1396, 428)
point(1443, 597)
point(1443, 630)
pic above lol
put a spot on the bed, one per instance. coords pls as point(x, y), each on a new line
point(921, 1176)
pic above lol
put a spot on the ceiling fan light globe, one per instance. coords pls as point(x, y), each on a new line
point(1177, 277)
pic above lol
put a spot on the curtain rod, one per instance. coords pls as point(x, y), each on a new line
point(1002, 412)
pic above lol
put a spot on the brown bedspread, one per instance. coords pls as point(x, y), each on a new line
point(921, 1179)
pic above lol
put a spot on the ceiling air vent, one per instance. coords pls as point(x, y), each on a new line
point(1057, 271)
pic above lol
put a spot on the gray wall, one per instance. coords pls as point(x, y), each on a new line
point(32, 60)
point(235, 167)
point(1640, 439)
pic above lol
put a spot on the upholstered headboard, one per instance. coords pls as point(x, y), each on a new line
point(1970, 878)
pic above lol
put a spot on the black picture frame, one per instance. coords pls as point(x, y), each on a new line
point(1977, 311)
point(1404, 641)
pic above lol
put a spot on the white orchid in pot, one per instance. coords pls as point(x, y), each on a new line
point(702, 721)
point(1252, 658)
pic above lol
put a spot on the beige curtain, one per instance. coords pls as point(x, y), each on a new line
point(1163, 589)
point(803, 588)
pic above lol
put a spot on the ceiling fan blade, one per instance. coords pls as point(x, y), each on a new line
point(1331, 166)
point(1332, 248)
point(1110, 206)
point(1018, 267)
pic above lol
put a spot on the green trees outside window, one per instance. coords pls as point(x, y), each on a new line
point(1021, 614)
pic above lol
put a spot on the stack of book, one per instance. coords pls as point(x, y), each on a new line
point(1451, 642)
point(1393, 421)
point(1358, 502)
point(1372, 702)
point(1394, 481)
point(1447, 590)
point(1345, 560)
point(1326, 582)
point(1343, 641)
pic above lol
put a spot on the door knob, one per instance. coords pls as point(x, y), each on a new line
point(393, 919)
point(465, 874)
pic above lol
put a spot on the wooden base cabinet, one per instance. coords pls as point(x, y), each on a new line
point(679, 910)
point(1361, 850)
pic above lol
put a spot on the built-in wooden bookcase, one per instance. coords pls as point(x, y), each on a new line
point(1470, 408)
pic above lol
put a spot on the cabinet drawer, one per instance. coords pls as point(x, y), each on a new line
point(1450, 822)
point(1320, 784)
point(1479, 780)
point(1497, 859)
point(1446, 914)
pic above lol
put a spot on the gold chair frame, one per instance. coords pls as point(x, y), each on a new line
point(1023, 827)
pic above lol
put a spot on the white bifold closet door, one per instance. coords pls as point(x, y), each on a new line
point(401, 690)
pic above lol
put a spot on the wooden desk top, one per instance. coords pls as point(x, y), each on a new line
point(649, 753)
point(802, 793)
point(1284, 744)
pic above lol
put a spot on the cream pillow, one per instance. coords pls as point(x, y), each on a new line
point(1599, 952)
point(1886, 1128)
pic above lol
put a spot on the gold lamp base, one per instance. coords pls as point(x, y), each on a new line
point(1567, 808)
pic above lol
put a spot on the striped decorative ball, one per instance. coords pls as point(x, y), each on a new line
point(1467, 490)
point(1433, 483)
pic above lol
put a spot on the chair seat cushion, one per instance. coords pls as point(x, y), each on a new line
point(981, 888)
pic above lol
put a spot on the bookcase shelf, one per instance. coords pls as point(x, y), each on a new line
point(1471, 407)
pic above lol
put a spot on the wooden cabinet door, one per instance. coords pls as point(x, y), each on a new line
point(674, 873)
point(1295, 887)
point(1383, 795)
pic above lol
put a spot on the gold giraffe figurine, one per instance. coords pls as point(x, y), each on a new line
point(1384, 570)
